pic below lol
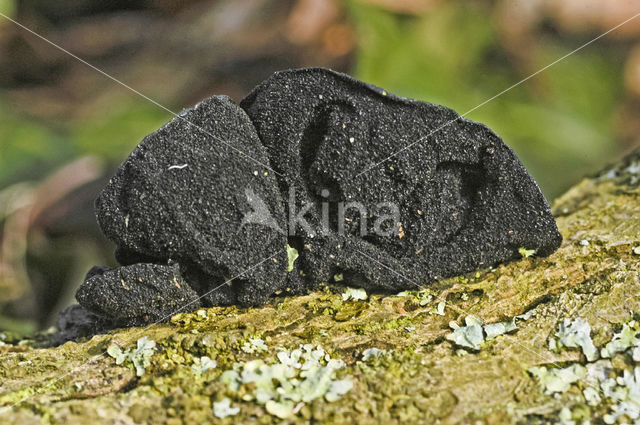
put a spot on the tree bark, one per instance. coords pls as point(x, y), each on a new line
point(422, 378)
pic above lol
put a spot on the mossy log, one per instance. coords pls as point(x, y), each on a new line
point(421, 377)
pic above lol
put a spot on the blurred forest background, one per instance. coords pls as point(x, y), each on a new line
point(64, 127)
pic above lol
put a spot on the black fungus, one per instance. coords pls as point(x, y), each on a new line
point(390, 192)
point(137, 294)
point(465, 200)
point(181, 196)
point(76, 322)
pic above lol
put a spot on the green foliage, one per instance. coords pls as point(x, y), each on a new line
point(114, 133)
point(27, 148)
point(560, 122)
point(16, 326)
point(30, 150)
point(8, 7)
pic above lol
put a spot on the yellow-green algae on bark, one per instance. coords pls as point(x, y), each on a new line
point(420, 378)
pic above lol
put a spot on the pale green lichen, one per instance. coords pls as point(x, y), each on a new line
point(439, 310)
point(282, 409)
point(628, 337)
point(203, 364)
point(355, 294)
point(474, 333)
point(223, 409)
point(575, 333)
point(619, 392)
point(337, 389)
point(591, 396)
point(468, 336)
point(565, 417)
point(373, 352)
point(626, 397)
point(493, 330)
point(423, 296)
point(557, 380)
point(300, 376)
point(424, 300)
point(526, 253)
point(254, 345)
point(139, 356)
point(292, 255)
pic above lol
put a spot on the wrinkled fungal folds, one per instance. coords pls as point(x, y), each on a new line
point(313, 175)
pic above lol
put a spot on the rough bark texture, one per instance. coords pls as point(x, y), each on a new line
point(423, 378)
